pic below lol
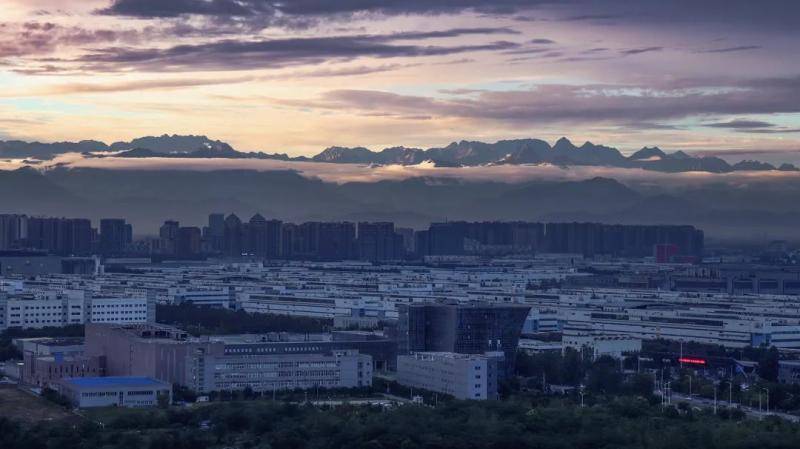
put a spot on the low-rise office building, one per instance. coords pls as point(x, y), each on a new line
point(235, 362)
point(221, 372)
point(87, 392)
point(463, 376)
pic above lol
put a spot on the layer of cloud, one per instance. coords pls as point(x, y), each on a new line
point(732, 49)
point(189, 82)
point(342, 173)
point(277, 53)
point(587, 103)
point(40, 38)
point(740, 124)
point(753, 126)
point(636, 51)
point(249, 8)
point(776, 14)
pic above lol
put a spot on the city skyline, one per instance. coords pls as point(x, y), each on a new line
point(297, 77)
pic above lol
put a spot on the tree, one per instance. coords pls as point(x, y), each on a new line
point(163, 400)
point(768, 364)
point(604, 376)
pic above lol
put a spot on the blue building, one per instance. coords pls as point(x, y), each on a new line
point(85, 392)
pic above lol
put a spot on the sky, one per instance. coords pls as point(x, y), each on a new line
point(295, 77)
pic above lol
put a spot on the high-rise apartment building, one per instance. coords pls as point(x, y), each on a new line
point(378, 241)
point(115, 236)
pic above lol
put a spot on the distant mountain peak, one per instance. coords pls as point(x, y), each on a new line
point(648, 153)
point(169, 144)
point(345, 155)
point(564, 144)
point(680, 155)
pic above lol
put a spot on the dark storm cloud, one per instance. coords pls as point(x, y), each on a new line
point(581, 104)
point(237, 54)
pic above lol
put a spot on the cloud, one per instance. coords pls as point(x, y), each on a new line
point(139, 85)
point(588, 17)
point(649, 126)
point(732, 49)
point(770, 131)
point(776, 16)
point(578, 103)
point(168, 84)
point(453, 32)
point(249, 8)
point(175, 8)
point(636, 51)
point(230, 54)
point(342, 173)
point(526, 51)
point(753, 126)
point(740, 124)
point(39, 38)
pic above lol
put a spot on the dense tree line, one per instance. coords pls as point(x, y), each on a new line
point(205, 320)
point(545, 423)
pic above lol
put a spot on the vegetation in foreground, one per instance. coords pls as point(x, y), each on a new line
point(628, 422)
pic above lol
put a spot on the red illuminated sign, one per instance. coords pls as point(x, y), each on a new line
point(692, 360)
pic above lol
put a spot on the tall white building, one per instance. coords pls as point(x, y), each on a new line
point(463, 376)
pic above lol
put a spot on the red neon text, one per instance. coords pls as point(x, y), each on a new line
point(692, 360)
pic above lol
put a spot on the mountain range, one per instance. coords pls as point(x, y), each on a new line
point(456, 154)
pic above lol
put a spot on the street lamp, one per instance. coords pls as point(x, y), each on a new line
point(715, 398)
point(690, 386)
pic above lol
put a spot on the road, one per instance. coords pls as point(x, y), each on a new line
point(749, 411)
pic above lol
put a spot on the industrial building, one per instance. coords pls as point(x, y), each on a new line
point(215, 363)
point(37, 310)
point(48, 360)
point(87, 392)
point(598, 345)
point(719, 319)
